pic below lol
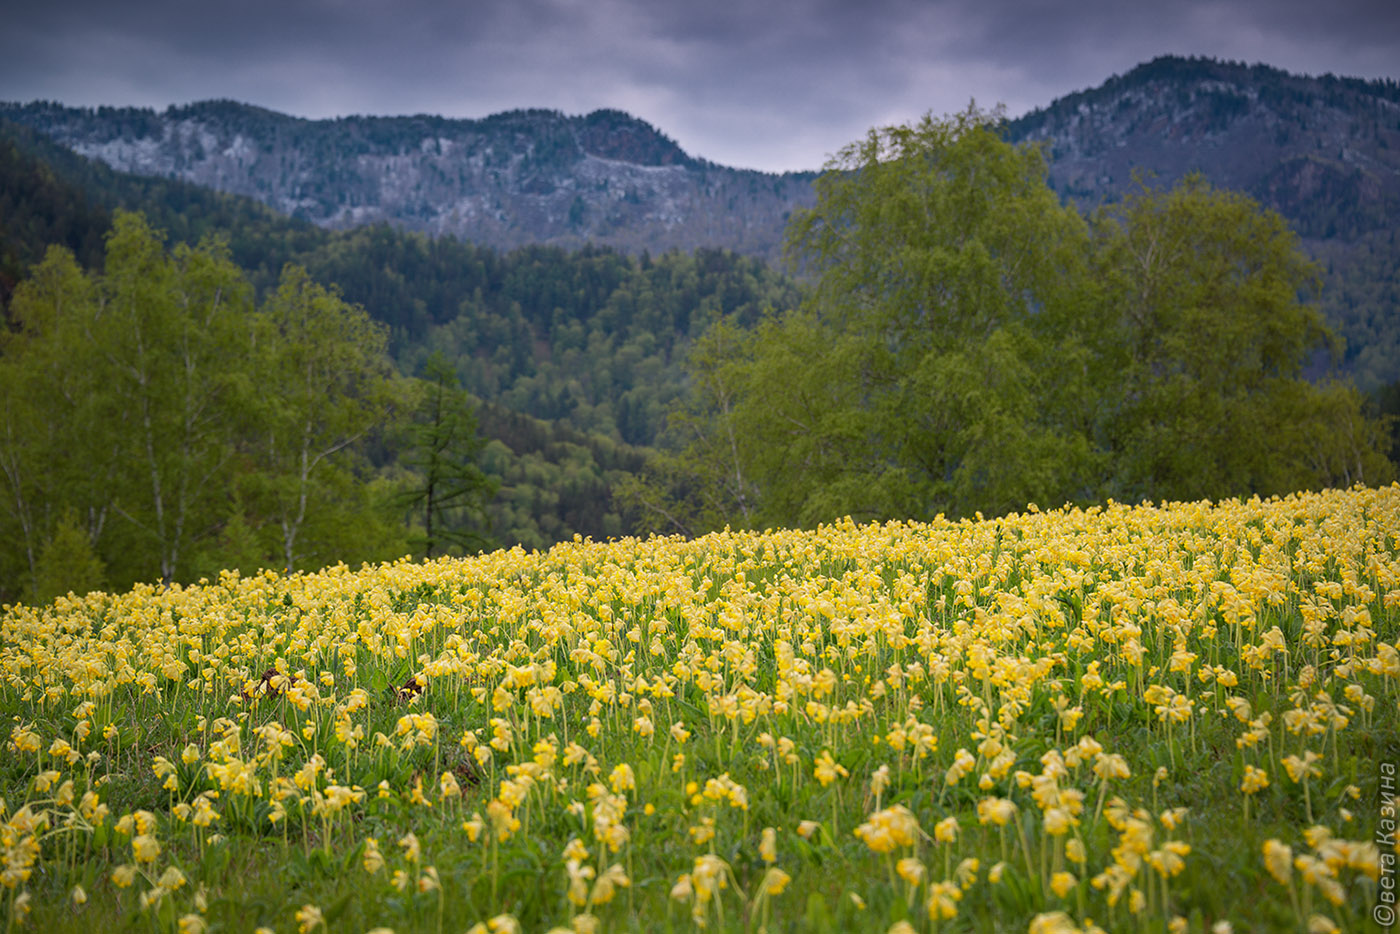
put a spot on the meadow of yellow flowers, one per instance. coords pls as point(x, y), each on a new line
point(1146, 718)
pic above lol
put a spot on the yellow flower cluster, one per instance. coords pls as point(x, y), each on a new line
point(978, 677)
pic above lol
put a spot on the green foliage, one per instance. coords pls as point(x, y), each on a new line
point(67, 563)
point(553, 482)
point(585, 345)
point(327, 382)
point(1360, 298)
point(918, 379)
point(972, 344)
point(1210, 340)
point(698, 482)
point(444, 448)
point(39, 208)
point(181, 429)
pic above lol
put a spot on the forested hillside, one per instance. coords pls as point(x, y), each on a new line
point(528, 176)
point(573, 358)
point(588, 336)
point(1323, 152)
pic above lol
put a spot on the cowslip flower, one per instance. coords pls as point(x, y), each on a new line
point(910, 870)
point(1278, 859)
point(1062, 883)
point(768, 845)
point(145, 848)
point(943, 898)
point(373, 860)
point(775, 880)
point(997, 811)
point(828, 769)
point(309, 918)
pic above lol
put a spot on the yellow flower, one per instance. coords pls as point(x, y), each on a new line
point(309, 918)
point(885, 830)
point(768, 845)
point(474, 827)
point(1074, 851)
point(1298, 769)
point(966, 873)
point(124, 875)
point(1054, 922)
point(145, 848)
point(703, 832)
point(775, 880)
point(997, 811)
point(373, 860)
point(880, 780)
point(503, 924)
point(1062, 883)
point(828, 769)
point(1058, 822)
point(1254, 780)
point(963, 763)
point(910, 870)
point(622, 778)
point(942, 901)
point(1278, 859)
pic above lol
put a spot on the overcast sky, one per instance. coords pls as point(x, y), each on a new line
point(768, 84)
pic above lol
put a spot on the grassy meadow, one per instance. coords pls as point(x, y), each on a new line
point(1125, 718)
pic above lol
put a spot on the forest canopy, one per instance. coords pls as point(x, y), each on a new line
point(973, 344)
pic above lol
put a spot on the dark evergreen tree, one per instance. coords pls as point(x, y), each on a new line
point(451, 490)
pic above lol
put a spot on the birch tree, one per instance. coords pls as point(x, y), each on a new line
point(325, 382)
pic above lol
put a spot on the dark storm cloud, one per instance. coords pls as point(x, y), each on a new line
point(763, 84)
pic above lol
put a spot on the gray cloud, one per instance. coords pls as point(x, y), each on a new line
point(774, 85)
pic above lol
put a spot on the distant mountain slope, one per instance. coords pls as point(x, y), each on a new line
point(532, 176)
point(1324, 152)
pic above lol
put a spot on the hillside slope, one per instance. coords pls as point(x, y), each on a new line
point(532, 176)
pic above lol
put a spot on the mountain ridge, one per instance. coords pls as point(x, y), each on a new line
point(522, 176)
point(1290, 141)
point(1322, 151)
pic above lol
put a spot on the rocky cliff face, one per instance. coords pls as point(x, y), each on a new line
point(521, 177)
